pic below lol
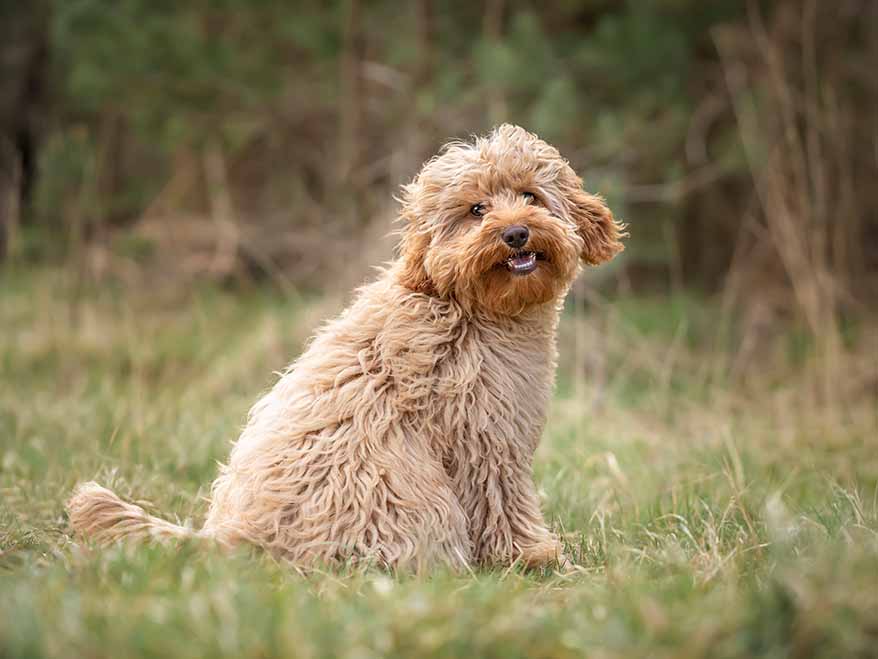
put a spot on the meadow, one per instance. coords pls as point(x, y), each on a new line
point(717, 502)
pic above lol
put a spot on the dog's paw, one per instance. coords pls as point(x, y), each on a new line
point(546, 554)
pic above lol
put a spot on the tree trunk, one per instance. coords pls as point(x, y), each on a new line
point(350, 93)
point(24, 50)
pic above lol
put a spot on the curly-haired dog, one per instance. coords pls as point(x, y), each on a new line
point(405, 433)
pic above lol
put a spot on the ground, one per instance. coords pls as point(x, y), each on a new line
point(717, 505)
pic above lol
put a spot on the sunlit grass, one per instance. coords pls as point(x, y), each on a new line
point(709, 515)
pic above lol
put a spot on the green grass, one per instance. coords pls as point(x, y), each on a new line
point(709, 516)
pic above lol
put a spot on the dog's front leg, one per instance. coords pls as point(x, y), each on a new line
point(533, 543)
point(496, 488)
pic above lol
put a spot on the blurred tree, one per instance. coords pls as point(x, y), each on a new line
point(23, 72)
point(264, 117)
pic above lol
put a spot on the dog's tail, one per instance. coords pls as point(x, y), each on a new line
point(98, 514)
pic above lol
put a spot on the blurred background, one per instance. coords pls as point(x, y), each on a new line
point(254, 141)
point(188, 188)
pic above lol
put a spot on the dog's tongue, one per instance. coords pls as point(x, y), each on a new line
point(522, 262)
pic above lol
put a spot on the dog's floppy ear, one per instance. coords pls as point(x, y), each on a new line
point(600, 232)
point(412, 251)
point(414, 243)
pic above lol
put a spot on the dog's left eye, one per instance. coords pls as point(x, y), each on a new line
point(528, 196)
point(478, 210)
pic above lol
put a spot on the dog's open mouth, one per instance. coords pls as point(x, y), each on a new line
point(523, 263)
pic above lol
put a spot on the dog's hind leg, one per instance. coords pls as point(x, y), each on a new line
point(338, 497)
point(416, 520)
point(395, 509)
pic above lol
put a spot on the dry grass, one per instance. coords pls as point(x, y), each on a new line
point(713, 511)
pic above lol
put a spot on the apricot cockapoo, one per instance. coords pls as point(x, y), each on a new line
point(404, 434)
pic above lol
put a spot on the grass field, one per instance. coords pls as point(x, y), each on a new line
point(714, 508)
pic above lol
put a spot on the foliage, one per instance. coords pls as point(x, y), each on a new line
point(147, 81)
point(302, 120)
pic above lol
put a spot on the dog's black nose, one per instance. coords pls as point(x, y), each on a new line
point(515, 236)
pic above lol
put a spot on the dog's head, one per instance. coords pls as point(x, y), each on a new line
point(501, 223)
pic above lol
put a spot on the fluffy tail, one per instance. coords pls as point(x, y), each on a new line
point(98, 514)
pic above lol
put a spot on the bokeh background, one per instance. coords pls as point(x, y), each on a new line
point(265, 140)
point(187, 189)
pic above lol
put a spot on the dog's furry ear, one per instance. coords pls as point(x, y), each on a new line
point(412, 251)
point(600, 232)
point(413, 244)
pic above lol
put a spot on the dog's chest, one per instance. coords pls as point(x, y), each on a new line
point(491, 390)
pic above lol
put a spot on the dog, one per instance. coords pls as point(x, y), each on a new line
point(404, 434)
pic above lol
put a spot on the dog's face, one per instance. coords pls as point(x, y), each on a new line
point(501, 224)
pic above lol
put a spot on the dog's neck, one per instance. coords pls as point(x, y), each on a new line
point(537, 316)
point(542, 315)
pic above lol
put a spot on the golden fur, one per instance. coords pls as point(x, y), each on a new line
point(405, 432)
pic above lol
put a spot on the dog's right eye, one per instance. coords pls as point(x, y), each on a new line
point(478, 210)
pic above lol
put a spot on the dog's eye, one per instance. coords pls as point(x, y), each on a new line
point(528, 196)
point(478, 210)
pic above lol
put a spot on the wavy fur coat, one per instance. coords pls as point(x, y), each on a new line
point(405, 433)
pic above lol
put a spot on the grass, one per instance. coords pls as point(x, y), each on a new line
point(710, 515)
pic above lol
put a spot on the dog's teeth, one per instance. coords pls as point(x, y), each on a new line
point(522, 262)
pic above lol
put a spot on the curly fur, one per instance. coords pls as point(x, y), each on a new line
point(405, 432)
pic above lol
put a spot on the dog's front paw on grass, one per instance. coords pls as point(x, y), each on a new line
point(546, 555)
